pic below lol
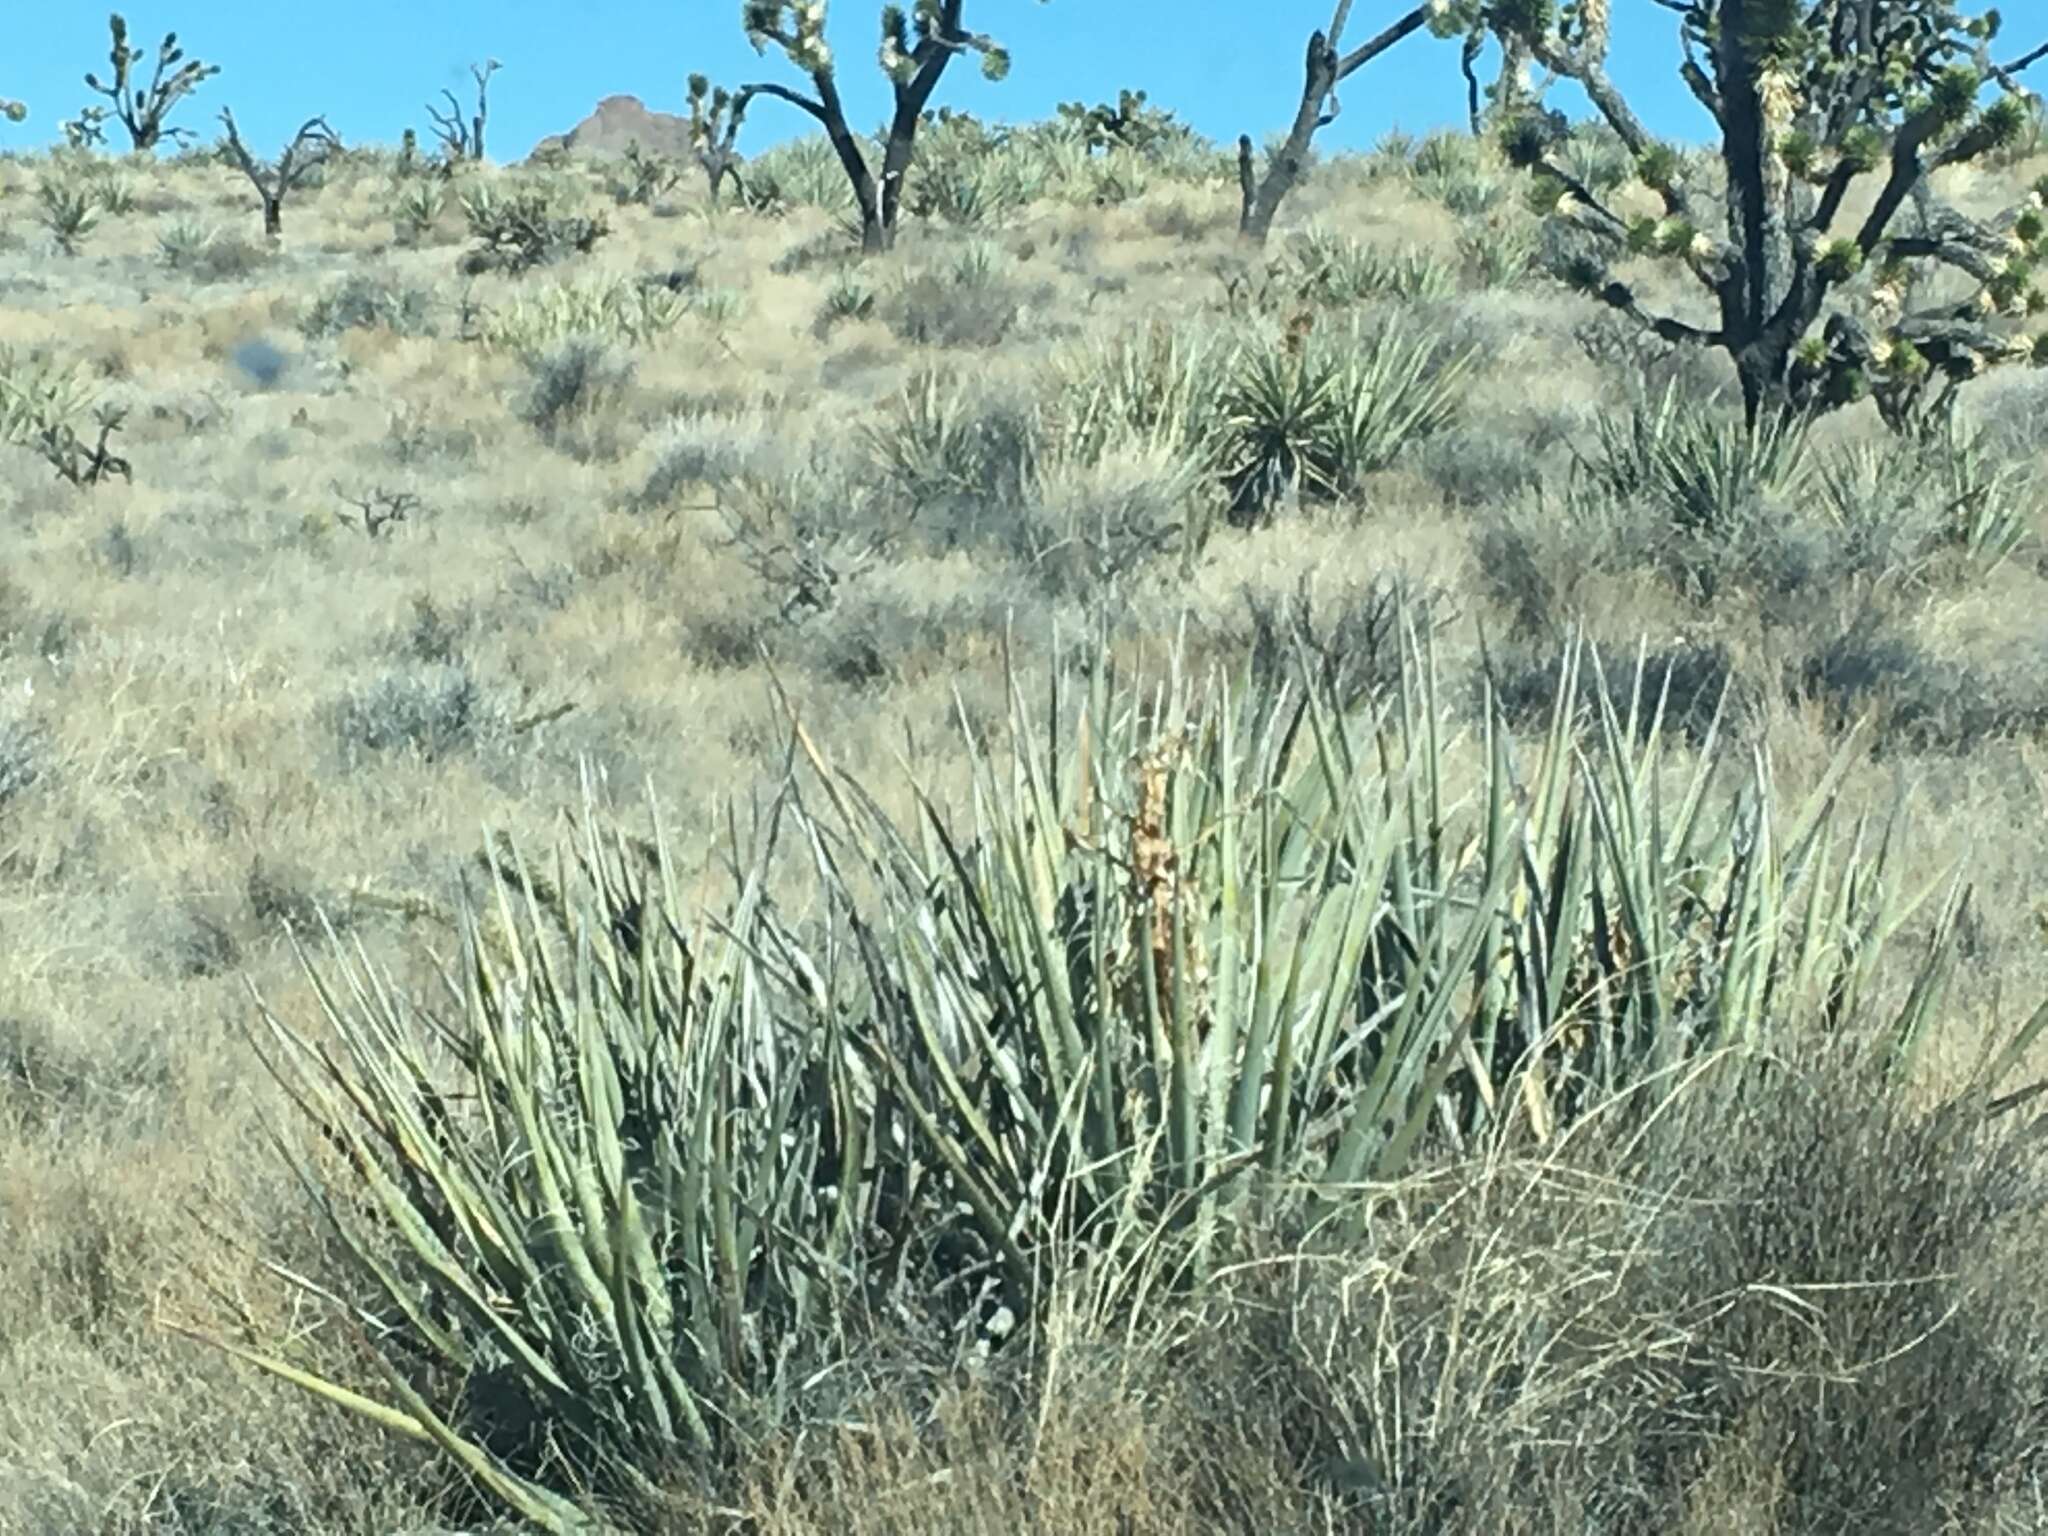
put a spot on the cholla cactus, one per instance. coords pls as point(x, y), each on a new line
point(142, 111)
point(1130, 124)
point(916, 47)
point(1809, 99)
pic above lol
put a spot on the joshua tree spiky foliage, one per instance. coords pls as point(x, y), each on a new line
point(916, 49)
point(458, 142)
point(142, 110)
point(13, 111)
point(309, 147)
point(1809, 95)
point(1324, 69)
point(715, 117)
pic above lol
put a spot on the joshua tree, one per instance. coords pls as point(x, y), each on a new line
point(1809, 95)
point(458, 142)
point(714, 123)
point(1324, 69)
point(141, 111)
point(797, 27)
point(309, 147)
point(13, 111)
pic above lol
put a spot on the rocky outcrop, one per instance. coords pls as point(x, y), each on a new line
point(617, 122)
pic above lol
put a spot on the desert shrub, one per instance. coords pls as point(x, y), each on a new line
point(1873, 665)
point(1485, 466)
point(573, 380)
point(1692, 682)
point(1805, 1318)
point(1351, 638)
point(1084, 527)
point(705, 447)
point(969, 301)
point(829, 249)
point(808, 525)
point(21, 756)
point(364, 301)
point(524, 227)
point(1868, 1348)
point(430, 709)
point(225, 257)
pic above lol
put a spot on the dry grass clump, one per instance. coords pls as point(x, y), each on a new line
point(1757, 1301)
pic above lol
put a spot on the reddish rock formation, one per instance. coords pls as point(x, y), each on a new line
point(617, 122)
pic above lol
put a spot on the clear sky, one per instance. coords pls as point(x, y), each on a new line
point(370, 65)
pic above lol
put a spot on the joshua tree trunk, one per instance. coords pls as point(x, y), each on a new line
point(1323, 70)
point(913, 72)
point(1807, 97)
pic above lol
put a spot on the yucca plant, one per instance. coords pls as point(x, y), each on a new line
point(1940, 494)
point(607, 1207)
point(1338, 269)
point(1710, 475)
point(1987, 510)
point(1183, 945)
point(614, 308)
point(1277, 411)
point(37, 393)
point(848, 298)
point(71, 210)
point(114, 192)
point(1185, 953)
point(418, 204)
point(1499, 252)
point(1319, 414)
point(180, 246)
point(1157, 389)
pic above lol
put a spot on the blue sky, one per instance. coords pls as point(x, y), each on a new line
point(370, 65)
